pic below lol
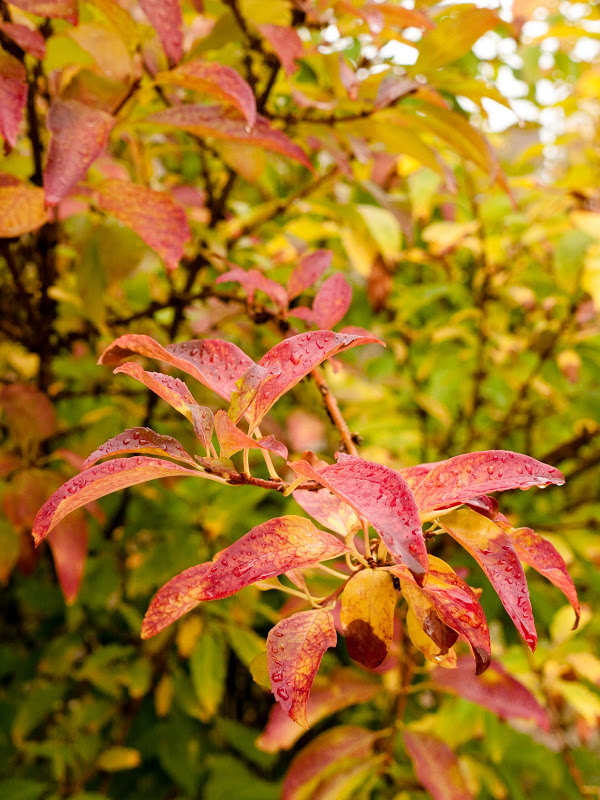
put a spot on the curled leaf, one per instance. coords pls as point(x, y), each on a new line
point(140, 440)
point(442, 656)
point(367, 616)
point(170, 389)
point(328, 510)
point(232, 439)
point(252, 280)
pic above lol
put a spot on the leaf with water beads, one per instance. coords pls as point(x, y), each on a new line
point(367, 616)
point(232, 439)
point(328, 510)
point(172, 601)
point(295, 647)
point(140, 440)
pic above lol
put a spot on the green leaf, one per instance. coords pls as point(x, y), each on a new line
point(208, 669)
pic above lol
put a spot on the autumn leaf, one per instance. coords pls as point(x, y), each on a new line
point(367, 616)
point(436, 766)
point(442, 655)
point(401, 17)
point(456, 31)
point(328, 510)
point(68, 543)
point(154, 216)
point(165, 17)
point(29, 39)
point(22, 209)
point(13, 96)
point(252, 280)
point(232, 439)
point(332, 301)
point(308, 272)
point(286, 45)
point(140, 440)
point(379, 494)
point(55, 9)
point(172, 601)
point(295, 647)
point(79, 135)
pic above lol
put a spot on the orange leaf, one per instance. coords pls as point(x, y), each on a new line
point(172, 601)
point(22, 209)
point(232, 439)
point(367, 616)
point(68, 543)
point(55, 9)
point(13, 96)
point(28, 39)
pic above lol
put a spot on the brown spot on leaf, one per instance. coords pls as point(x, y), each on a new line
point(363, 645)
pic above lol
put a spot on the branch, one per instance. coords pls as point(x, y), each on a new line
point(349, 440)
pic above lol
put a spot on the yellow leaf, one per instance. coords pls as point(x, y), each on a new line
point(163, 696)
point(22, 209)
point(118, 758)
point(367, 616)
point(188, 633)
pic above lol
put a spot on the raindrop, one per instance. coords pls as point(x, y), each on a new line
point(283, 693)
point(277, 677)
point(490, 469)
point(241, 569)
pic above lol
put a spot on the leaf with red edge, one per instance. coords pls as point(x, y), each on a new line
point(55, 9)
point(340, 689)
point(436, 766)
point(100, 480)
point(22, 207)
point(379, 494)
point(170, 389)
point(269, 549)
point(140, 440)
point(221, 123)
point(79, 135)
point(172, 601)
point(328, 510)
point(13, 96)
point(493, 551)
point(295, 647)
point(336, 749)
point(332, 301)
point(286, 44)
point(68, 543)
point(308, 272)
point(252, 280)
point(215, 363)
point(291, 360)
point(367, 616)
point(465, 476)
point(496, 690)
point(232, 439)
point(28, 39)
point(216, 80)
point(154, 216)
point(165, 17)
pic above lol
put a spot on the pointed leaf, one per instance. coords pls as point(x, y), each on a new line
point(28, 39)
point(308, 272)
point(246, 388)
point(493, 551)
point(232, 439)
point(380, 495)
point(68, 543)
point(172, 600)
point(216, 80)
point(154, 216)
point(165, 18)
point(495, 690)
point(442, 656)
point(291, 360)
point(55, 9)
point(332, 301)
point(227, 124)
point(79, 135)
point(22, 207)
point(436, 766)
point(471, 474)
point(100, 480)
point(295, 647)
point(269, 549)
point(216, 364)
point(140, 440)
point(328, 510)
point(13, 96)
point(172, 390)
point(286, 44)
point(252, 280)
point(367, 616)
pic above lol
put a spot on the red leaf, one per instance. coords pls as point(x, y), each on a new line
point(216, 364)
point(495, 690)
point(414, 476)
point(289, 361)
point(140, 440)
point(22, 207)
point(348, 78)
point(332, 301)
point(308, 272)
point(295, 647)
point(471, 474)
point(493, 551)
point(55, 9)
point(172, 601)
point(68, 543)
point(79, 135)
point(28, 39)
point(328, 510)
point(165, 18)
point(341, 689)
point(436, 766)
point(217, 80)
point(232, 439)
point(228, 124)
point(154, 216)
point(286, 44)
point(253, 280)
point(269, 549)
point(13, 96)
point(380, 495)
point(100, 480)
point(369, 13)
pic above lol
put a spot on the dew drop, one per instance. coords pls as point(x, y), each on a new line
point(277, 677)
point(490, 469)
point(241, 569)
point(295, 358)
point(283, 693)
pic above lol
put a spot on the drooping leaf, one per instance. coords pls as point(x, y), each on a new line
point(100, 480)
point(154, 216)
point(172, 600)
point(165, 18)
point(443, 656)
point(465, 476)
point(140, 440)
point(68, 543)
point(245, 390)
point(267, 550)
point(79, 135)
point(220, 123)
point(379, 494)
point(493, 551)
point(215, 363)
point(55, 9)
point(332, 301)
point(496, 690)
point(367, 616)
point(28, 39)
point(252, 280)
point(286, 44)
point(13, 96)
point(216, 80)
point(232, 439)
point(328, 510)
point(22, 209)
point(308, 272)
point(295, 647)
point(436, 766)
